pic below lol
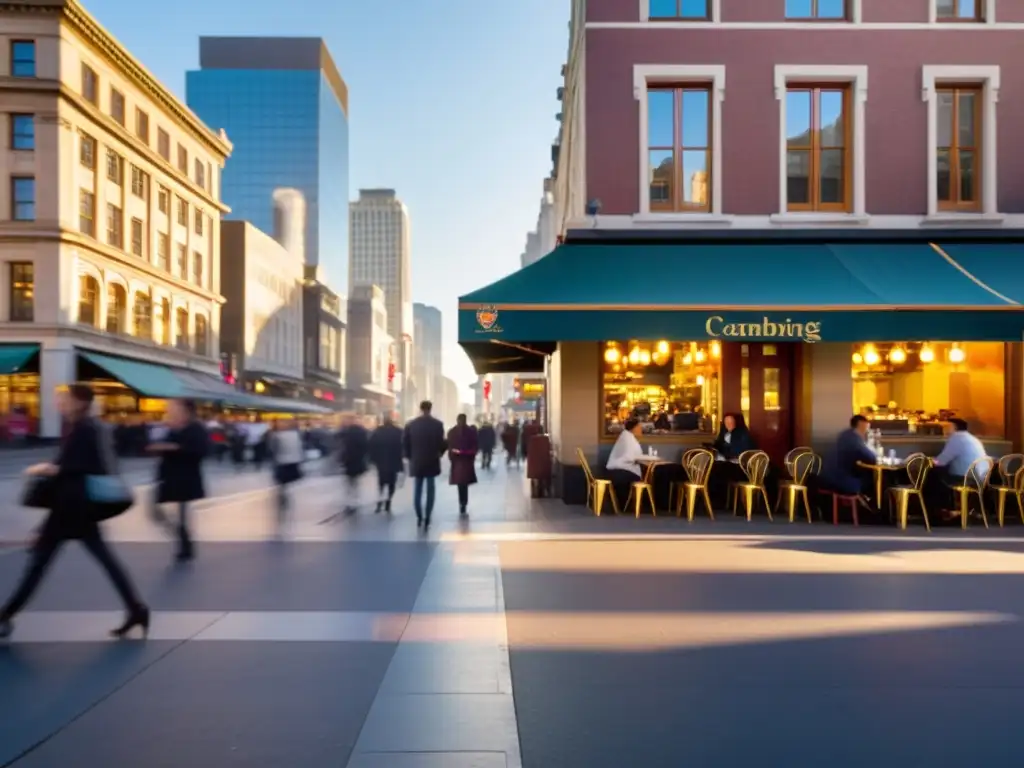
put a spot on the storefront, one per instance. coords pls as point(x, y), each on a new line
point(19, 392)
point(795, 330)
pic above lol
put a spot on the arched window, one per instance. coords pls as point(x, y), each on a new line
point(181, 329)
point(162, 320)
point(201, 336)
point(88, 300)
point(142, 316)
point(117, 308)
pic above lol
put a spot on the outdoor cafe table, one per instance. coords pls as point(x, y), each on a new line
point(879, 470)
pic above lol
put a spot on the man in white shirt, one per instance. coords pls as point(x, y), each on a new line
point(961, 450)
point(622, 467)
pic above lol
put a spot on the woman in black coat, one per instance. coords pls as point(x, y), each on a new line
point(85, 451)
point(385, 452)
point(462, 449)
point(180, 475)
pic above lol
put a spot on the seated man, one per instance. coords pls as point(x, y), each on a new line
point(961, 450)
point(623, 469)
point(840, 472)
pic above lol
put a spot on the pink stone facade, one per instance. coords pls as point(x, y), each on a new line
point(896, 156)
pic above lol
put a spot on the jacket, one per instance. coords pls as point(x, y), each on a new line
point(354, 445)
point(740, 440)
point(462, 450)
point(487, 438)
point(840, 471)
point(386, 450)
point(424, 445)
point(80, 455)
point(180, 473)
point(286, 447)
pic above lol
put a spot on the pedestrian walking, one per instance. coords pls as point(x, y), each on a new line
point(86, 451)
point(287, 452)
point(510, 442)
point(180, 473)
point(424, 445)
point(463, 443)
point(386, 456)
point(353, 455)
point(487, 439)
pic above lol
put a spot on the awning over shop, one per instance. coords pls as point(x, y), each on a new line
point(13, 357)
point(147, 379)
point(769, 290)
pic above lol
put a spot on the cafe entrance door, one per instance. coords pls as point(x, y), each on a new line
point(757, 381)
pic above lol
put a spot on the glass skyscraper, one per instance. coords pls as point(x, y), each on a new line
point(284, 106)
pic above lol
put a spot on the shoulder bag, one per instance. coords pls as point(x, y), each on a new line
point(108, 494)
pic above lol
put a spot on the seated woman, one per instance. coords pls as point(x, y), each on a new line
point(622, 467)
point(733, 439)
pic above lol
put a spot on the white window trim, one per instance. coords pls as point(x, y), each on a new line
point(988, 78)
point(857, 78)
point(716, 13)
point(648, 74)
point(988, 8)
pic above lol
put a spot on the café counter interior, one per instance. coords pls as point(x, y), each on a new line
point(907, 390)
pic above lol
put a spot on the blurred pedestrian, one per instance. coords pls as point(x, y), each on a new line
point(510, 442)
point(87, 450)
point(487, 440)
point(286, 449)
point(353, 455)
point(180, 474)
point(386, 455)
point(463, 444)
point(424, 445)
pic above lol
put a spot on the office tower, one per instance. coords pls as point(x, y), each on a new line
point(426, 356)
point(285, 106)
point(380, 255)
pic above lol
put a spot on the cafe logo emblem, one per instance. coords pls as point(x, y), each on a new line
point(487, 319)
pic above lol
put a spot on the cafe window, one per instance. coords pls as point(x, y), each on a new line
point(913, 387)
point(957, 181)
point(679, 148)
point(672, 387)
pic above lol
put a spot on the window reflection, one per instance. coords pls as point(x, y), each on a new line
point(913, 387)
point(671, 387)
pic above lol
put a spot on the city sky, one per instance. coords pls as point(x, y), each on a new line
point(452, 103)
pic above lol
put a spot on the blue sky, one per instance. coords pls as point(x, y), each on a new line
point(452, 103)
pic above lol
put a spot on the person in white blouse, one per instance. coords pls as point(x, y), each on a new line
point(622, 467)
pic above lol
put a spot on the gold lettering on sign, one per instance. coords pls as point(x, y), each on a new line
point(719, 327)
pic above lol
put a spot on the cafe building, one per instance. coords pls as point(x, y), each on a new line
point(796, 331)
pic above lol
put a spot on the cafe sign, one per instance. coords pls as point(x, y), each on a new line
point(718, 327)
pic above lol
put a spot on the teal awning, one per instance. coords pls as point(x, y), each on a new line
point(756, 291)
point(13, 357)
point(147, 379)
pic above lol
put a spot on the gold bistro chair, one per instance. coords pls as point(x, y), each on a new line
point(677, 491)
point(732, 493)
point(918, 466)
point(804, 465)
point(789, 463)
point(596, 487)
point(757, 470)
point(974, 486)
point(1008, 467)
point(639, 491)
point(698, 469)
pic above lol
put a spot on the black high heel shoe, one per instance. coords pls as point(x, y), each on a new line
point(138, 617)
point(6, 628)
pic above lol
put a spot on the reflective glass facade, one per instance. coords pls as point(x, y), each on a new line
point(288, 130)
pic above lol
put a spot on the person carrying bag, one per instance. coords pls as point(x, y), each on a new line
point(77, 503)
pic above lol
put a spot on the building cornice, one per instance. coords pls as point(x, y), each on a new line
point(93, 34)
point(35, 231)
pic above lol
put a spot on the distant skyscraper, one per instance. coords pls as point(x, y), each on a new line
point(426, 357)
point(380, 254)
point(284, 105)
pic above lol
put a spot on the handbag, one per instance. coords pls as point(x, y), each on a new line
point(108, 494)
point(39, 493)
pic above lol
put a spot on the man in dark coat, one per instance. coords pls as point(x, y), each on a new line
point(180, 475)
point(510, 442)
point(487, 439)
point(463, 443)
point(424, 445)
point(841, 471)
point(386, 453)
point(353, 455)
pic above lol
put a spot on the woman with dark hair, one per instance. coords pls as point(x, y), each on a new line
point(622, 466)
point(86, 451)
point(180, 475)
point(463, 446)
point(733, 437)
